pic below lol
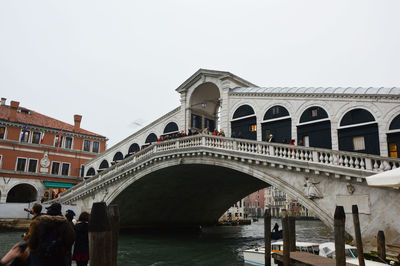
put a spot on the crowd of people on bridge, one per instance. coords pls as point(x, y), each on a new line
point(50, 238)
point(191, 132)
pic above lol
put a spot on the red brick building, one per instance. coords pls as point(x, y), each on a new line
point(41, 156)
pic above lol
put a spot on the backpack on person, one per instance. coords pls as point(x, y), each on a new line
point(51, 246)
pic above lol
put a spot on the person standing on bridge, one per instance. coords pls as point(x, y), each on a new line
point(271, 138)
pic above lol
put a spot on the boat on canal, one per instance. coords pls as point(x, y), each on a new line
point(256, 256)
point(328, 250)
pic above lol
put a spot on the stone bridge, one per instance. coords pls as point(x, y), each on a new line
point(191, 181)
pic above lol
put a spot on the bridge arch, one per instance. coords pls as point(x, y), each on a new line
point(91, 172)
point(356, 128)
point(171, 127)
point(244, 122)
point(134, 147)
point(104, 165)
point(151, 138)
point(204, 106)
point(314, 128)
point(22, 193)
point(255, 177)
point(277, 121)
point(118, 156)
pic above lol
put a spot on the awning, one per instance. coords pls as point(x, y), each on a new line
point(385, 179)
point(49, 184)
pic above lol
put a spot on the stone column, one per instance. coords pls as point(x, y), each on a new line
point(224, 115)
point(383, 146)
point(334, 135)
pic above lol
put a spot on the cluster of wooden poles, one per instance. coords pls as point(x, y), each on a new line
point(289, 237)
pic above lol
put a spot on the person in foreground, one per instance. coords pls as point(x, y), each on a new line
point(16, 252)
point(81, 247)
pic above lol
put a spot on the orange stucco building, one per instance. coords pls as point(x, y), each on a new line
point(41, 156)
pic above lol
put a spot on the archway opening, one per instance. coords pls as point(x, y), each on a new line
point(132, 149)
point(204, 107)
point(358, 132)
point(277, 122)
point(244, 123)
point(118, 157)
point(91, 172)
point(22, 193)
point(104, 165)
point(393, 138)
point(314, 129)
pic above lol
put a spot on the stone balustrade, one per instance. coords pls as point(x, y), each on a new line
point(356, 164)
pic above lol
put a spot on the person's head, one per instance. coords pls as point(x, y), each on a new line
point(69, 214)
point(84, 217)
point(37, 208)
point(54, 209)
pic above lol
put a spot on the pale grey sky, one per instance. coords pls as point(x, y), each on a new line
point(116, 62)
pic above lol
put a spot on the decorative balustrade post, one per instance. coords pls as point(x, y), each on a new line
point(272, 150)
point(203, 140)
point(368, 164)
point(177, 144)
point(235, 145)
point(315, 156)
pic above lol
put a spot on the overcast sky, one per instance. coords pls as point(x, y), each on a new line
point(119, 62)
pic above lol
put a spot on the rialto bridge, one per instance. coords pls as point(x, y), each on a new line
point(347, 135)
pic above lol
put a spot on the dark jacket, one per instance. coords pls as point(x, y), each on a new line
point(81, 247)
point(45, 224)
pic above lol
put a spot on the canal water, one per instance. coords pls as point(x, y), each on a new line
point(220, 245)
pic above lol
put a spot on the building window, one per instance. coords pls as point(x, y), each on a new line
point(96, 146)
point(359, 143)
point(393, 150)
point(57, 139)
point(0, 161)
point(65, 169)
point(253, 128)
point(25, 136)
point(55, 168)
point(86, 145)
point(2, 132)
point(36, 137)
point(68, 142)
point(314, 112)
point(21, 164)
point(32, 165)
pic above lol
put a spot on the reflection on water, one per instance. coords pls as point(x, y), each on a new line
point(221, 245)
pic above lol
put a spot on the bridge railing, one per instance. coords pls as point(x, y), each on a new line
point(343, 159)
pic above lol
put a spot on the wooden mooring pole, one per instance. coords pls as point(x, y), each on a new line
point(100, 236)
point(267, 237)
point(381, 245)
point(357, 232)
point(113, 214)
point(292, 232)
point(339, 222)
point(286, 244)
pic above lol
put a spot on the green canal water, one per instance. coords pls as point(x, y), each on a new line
point(220, 245)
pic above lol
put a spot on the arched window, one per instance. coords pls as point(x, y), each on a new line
point(91, 172)
point(314, 129)
point(358, 132)
point(242, 111)
point(22, 193)
point(104, 165)
point(393, 138)
point(244, 123)
point(278, 123)
point(170, 128)
point(118, 157)
point(151, 138)
point(134, 148)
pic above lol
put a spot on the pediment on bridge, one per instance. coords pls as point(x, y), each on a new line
point(222, 75)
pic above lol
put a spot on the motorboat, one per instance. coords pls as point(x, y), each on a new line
point(256, 256)
point(328, 250)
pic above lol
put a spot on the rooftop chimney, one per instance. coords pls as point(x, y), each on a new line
point(3, 101)
point(12, 115)
point(77, 122)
